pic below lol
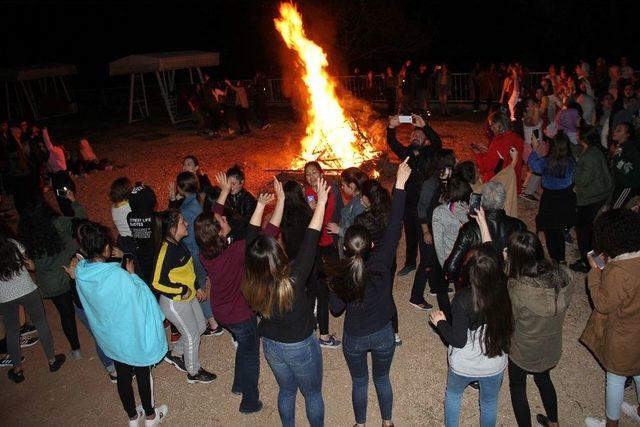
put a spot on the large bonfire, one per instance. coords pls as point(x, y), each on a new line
point(332, 138)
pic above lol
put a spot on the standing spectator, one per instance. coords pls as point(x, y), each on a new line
point(210, 104)
point(242, 105)
point(190, 209)
point(144, 225)
point(604, 119)
point(49, 241)
point(558, 201)
point(240, 201)
point(17, 289)
point(586, 102)
point(391, 92)
point(328, 251)
point(261, 95)
point(511, 90)
point(351, 180)
point(119, 195)
point(60, 179)
point(120, 308)
point(625, 165)
point(443, 79)
point(275, 288)
point(423, 90)
point(540, 293)
point(424, 142)
point(406, 89)
point(614, 77)
point(492, 160)
point(568, 120)
point(626, 71)
point(601, 78)
point(195, 102)
point(479, 334)
point(501, 226)
point(532, 127)
point(359, 284)
point(611, 333)
point(175, 280)
point(450, 216)
point(592, 185)
point(582, 72)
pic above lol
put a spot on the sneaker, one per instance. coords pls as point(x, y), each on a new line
point(398, 340)
point(567, 236)
point(27, 329)
point(113, 377)
point(161, 413)
point(140, 413)
point(234, 342)
point(432, 293)
point(594, 422)
point(175, 337)
point(529, 197)
point(631, 411)
point(251, 411)
point(58, 361)
point(580, 267)
point(213, 332)
point(6, 362)
point(475, 385)
point(628, 383)
point(406, 270)
point(267, 126)
point(176, 361)
point(16, 377)
point(76, 354)
point(542, 420)
point(424, 306)
point(202, 377)
point(28, 341)
point(332, 342)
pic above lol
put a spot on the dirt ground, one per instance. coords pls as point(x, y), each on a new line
point(81, 395)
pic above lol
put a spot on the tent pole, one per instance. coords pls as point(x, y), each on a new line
point(200, 75)
point(29, 100)
point(144, 95)
point(55, 85)
point(165, 95)
point(131, 88)
point(64, 88)
point(191, 76)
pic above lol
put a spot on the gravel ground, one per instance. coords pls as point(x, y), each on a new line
point(80, 393)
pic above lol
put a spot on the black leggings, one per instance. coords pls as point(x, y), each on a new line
point(325, 254)
point(125, 389)
point(64, 305)
point(555, 244)
point(518, 390)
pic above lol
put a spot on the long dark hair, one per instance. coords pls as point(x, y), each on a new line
point(559, 156)
point(93, 239)
point(354, 176)
point(376, 217)
point(11, 260)
point(168, 221)
point(483, 272)
point(207, 232)
point(37, 232)
point(347, 276)
point(297, 214)
point(525, 255)
point(267, 286)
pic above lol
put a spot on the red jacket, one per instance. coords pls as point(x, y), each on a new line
point(326, 239)
point(502, 143)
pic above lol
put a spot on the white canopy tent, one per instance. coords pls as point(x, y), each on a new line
point(164, 65)
point(42, 87)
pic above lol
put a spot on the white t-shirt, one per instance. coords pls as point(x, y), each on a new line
point(119, 216)
point(19, 285)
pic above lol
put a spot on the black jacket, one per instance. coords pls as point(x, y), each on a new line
point(500, 228)
point(418, 162)
point(242, 205)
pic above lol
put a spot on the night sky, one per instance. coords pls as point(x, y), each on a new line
point(92, 33)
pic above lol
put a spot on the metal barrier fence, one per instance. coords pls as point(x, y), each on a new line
point(116, 98)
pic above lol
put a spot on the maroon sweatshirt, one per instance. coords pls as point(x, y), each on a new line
point(226, 272)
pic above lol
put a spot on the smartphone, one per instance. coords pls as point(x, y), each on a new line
point(536, 133)
point(62, 192)
point(405, 119)
point(126, 257)
point(311, 198)
point(445, 173)
point(597, 259)
point(474, 202)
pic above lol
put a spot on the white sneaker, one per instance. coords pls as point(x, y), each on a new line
point(136, 422)
point(75, 354)
point(631, 411)
point(161, 412)
point(594, 422)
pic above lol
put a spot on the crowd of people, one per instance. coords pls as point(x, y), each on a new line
point(213, 261)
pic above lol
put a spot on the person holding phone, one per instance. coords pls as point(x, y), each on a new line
point(424, 143)
point(612, 333)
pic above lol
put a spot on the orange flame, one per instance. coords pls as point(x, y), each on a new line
point(331, 138)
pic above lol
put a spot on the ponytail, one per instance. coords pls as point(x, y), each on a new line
point(347, 277)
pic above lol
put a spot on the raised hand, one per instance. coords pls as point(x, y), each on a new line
point(223, 182)
point(277, 185)
point(323, 191)
point(418, 121)
point(404, 171)
point(394, 121)
point(333, 228)
point(265, 198)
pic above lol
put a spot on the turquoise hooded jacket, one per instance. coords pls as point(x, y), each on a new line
point(123, 314)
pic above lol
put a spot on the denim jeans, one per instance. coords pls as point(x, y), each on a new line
point(382, 346)
point(297, 366)
point(106, 361)
point(247, 369)
point(489, 393)
point(614, 394)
